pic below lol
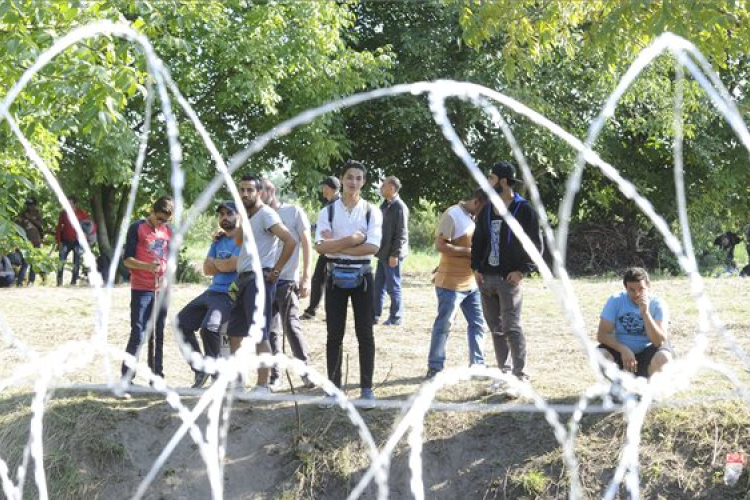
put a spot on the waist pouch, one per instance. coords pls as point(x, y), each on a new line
point(346, 276)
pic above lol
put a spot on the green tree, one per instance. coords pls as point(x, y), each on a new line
point(243, 67)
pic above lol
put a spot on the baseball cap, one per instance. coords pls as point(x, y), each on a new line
point(228, 205)
point(505, 170)
point(332, 182)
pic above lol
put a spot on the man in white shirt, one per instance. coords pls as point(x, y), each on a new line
point(348, 233)
point(290, 286)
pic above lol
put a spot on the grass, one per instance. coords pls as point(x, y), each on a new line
point(467, 455)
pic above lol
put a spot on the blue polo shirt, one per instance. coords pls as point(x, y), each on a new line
point(223, 249)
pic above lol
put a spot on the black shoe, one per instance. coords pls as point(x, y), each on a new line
point(200, 380)
point(431, 374)
point(307, 315)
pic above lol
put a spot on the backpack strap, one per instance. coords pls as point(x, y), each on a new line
point(330, 214)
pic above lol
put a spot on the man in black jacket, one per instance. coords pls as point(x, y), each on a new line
point(329, 192)
point(500, 263)
point(394, 247)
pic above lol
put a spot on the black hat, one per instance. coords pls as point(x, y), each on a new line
point(332, 182)
point(505, 170)
point(228, 205)
point(30, 201)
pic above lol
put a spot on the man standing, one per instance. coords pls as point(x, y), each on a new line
point(210, 310)
point(7, 274)
point(500, 263)
point(31, 222)
point(329, 192)
point(268, 232)
point(393, 249)
point(67, 240)
point(146, 252)
point(633, 327)
point(348, 233)
point(454, 283)
point(285, 320)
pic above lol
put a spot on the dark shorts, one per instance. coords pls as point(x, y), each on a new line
point(243, 309)
point(643, 358)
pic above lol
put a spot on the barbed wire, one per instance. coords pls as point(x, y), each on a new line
point(634, 396)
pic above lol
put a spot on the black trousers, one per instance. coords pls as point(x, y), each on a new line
point(318, 284)
point(337, 303)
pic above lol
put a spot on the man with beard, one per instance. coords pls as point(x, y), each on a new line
point(209, 312)
point(500, 263)
point(269, 233)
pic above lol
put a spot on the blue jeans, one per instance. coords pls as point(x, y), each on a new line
point(471, 307)
point(388, 279)
point(65, 248)
point(141, 305)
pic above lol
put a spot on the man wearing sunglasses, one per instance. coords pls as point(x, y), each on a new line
point(146, 251)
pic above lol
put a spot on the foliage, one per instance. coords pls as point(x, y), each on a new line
point(423, 220)
point(243, 67)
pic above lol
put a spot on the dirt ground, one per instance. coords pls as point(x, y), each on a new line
point(264, 457)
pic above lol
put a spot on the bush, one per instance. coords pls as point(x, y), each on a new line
point(423, 221)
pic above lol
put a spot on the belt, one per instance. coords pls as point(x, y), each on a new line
point(349, 261)
point(245, 273)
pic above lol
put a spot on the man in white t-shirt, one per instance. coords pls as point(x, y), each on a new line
point(269, 233)
point(454, 283)
point(633, 327)
point(290, 286)
point(348, 233)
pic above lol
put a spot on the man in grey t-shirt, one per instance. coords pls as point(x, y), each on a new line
point(269, 233)
point(290, 287)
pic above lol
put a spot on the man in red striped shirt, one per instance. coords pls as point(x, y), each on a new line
point(146, 251)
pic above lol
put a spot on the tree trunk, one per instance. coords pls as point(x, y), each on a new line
point(108, 205)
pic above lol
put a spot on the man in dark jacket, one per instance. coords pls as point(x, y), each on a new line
point(500, 263)
point(394, 247)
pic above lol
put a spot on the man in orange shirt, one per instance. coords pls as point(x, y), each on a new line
point(454, 283)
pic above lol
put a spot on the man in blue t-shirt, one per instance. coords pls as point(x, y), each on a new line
point(633, 327)
point(210, 310)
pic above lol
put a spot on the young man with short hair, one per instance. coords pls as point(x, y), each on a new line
point(394, 247)
point(348, 233)
point(209, 312)
point(146, 252)
point(329, 192)
point(269, 233)
point(455, 284)
point(633, 327)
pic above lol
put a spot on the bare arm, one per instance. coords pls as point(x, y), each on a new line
point(444, 245)
point(656, 331)
point(133, 263)
point(283, 234)
point(212, 266)
point(304, 284)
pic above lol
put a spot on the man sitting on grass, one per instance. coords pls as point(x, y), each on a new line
point(633, 327)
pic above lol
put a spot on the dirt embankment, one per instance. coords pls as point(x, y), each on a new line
point(98, 447)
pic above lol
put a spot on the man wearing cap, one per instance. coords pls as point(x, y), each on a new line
point(394, 246)
point(290, 286)
point(329, 192)
point(31, 222)
point(500, 263)
point(209, 312)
